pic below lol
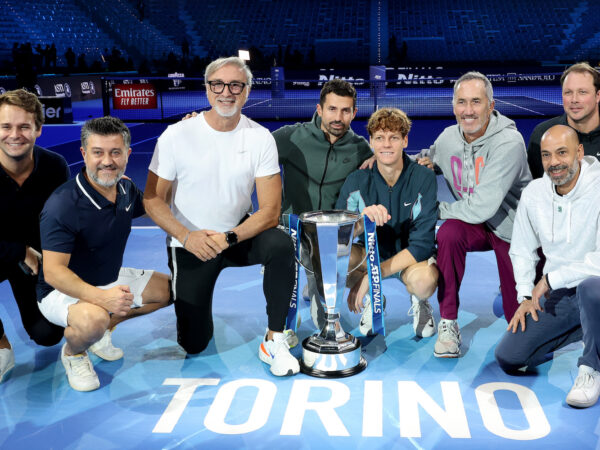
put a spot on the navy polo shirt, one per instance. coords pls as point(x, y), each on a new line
point(79, 221)
point(21, 205)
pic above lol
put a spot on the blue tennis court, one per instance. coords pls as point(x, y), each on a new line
point(156, 397)
point(416, 101)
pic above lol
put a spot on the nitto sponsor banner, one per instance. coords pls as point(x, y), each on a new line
point(134, 96)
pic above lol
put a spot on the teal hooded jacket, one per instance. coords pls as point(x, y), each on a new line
point(313, 169)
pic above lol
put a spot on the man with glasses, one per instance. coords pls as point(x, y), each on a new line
point(211, 162)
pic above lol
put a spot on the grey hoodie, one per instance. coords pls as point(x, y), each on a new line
point(486, 176)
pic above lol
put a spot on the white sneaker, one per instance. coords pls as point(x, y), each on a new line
point(448, 341)
point(586, 390)
point(80, 371)
point(7, 361)
point(277, 354)
point(366, 318)
point(105, 349)
point(422, 314)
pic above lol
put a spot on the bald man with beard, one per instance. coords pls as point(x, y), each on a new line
point(560, 213)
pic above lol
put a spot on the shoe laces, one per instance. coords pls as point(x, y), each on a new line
point(107, 340)
point(415, 309)
point(447, 331)
point(584, 380)
point(277, 347)
point(80, 365)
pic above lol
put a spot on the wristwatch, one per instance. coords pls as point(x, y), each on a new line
point(231, 238)
point(524, 297)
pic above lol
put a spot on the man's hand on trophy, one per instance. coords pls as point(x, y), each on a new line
point(357, 294)
point(377, 214)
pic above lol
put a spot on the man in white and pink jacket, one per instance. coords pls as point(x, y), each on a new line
point(561, 214)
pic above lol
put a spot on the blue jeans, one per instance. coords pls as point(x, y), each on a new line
point(569, 315)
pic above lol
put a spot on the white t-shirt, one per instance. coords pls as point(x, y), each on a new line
point(213, 172)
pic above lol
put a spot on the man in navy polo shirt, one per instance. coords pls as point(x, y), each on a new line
point(84, 228)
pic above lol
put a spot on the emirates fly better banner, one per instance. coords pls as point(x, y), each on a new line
point(134, 96)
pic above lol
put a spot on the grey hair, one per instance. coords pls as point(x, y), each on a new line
point(231, 60)
point(489, 91)
point(105, 126)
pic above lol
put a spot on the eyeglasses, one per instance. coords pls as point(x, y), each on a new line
point(235, 87)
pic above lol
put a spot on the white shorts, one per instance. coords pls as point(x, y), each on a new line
point(55, 305)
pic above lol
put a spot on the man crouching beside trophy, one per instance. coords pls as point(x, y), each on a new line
point(401, 198)
point(393, 208)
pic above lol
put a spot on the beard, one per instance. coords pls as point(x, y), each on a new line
point(566, 177)
point(103, 182)
point(336, 132)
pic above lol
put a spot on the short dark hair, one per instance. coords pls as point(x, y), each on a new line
point(582, 67)
point(338, 87)
point(27, 101)
point(105, 126)
point(390, 119)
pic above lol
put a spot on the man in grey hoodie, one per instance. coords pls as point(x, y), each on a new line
point(484, 162)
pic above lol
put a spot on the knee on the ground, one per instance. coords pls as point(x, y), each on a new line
point(506, 357)
point(45, 334)
point(194, 346)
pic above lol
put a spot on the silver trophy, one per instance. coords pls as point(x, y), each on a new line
point(325, 242)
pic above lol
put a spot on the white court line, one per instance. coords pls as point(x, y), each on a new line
point(257, 103)
point(517, 106)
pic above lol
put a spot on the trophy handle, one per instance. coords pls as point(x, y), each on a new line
point(360, 263)
point(299, 260)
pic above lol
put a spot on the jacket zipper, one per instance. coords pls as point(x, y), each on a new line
point(323, 177)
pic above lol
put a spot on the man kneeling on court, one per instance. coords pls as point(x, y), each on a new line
point(400, 196)
point(561, 214)
point(84, 228)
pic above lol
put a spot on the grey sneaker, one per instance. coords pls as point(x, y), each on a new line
point(448, 341)
point(80, 371)
point(586, 389)
point(7, 361)
point(422, 314)
point(105, 349)
point(366, 319)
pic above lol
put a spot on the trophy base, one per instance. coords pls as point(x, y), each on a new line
point(325, 359)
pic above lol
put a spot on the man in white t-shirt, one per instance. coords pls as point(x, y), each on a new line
point(211, 163)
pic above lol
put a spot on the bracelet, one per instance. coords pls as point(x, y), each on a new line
point(547, 281)
point(185, 238)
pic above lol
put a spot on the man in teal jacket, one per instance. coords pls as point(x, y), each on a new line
point(400, 196)
point(317, 156)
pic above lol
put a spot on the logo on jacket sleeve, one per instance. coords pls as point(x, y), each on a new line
point(416, 209)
